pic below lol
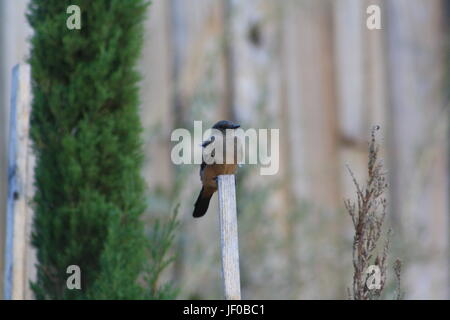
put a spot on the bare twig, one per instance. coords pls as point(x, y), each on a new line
point(368, 214)
point(398, 272)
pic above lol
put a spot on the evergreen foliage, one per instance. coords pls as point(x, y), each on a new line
point(162, 237)
point(86, 135)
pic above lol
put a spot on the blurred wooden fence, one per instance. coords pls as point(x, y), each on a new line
point(312, 69)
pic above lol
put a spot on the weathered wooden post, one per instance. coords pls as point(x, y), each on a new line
point(20, 188)
point(229, 237)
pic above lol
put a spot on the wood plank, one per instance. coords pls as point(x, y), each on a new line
point(156, 95)
point(199, 84)
point(419, 145)
point(229, 237)
point(14, 31)
point(315, 158)
point(20, 175)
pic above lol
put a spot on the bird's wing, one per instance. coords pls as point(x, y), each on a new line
point(204, 145)
point(202, 166)
point(207, 142)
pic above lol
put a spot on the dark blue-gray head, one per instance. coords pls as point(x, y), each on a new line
point(225, 124)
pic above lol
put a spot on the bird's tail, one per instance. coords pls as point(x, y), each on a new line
point(201, 205)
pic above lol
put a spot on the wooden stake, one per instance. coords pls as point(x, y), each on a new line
point(20, 173)
point(229, 237)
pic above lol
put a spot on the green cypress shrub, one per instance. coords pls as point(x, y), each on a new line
point(86, 135)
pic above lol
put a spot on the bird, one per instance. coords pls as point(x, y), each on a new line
point(211, 169)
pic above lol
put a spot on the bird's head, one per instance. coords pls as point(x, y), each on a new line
point(223, 125)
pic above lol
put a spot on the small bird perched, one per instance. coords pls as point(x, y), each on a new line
point(210, 170)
